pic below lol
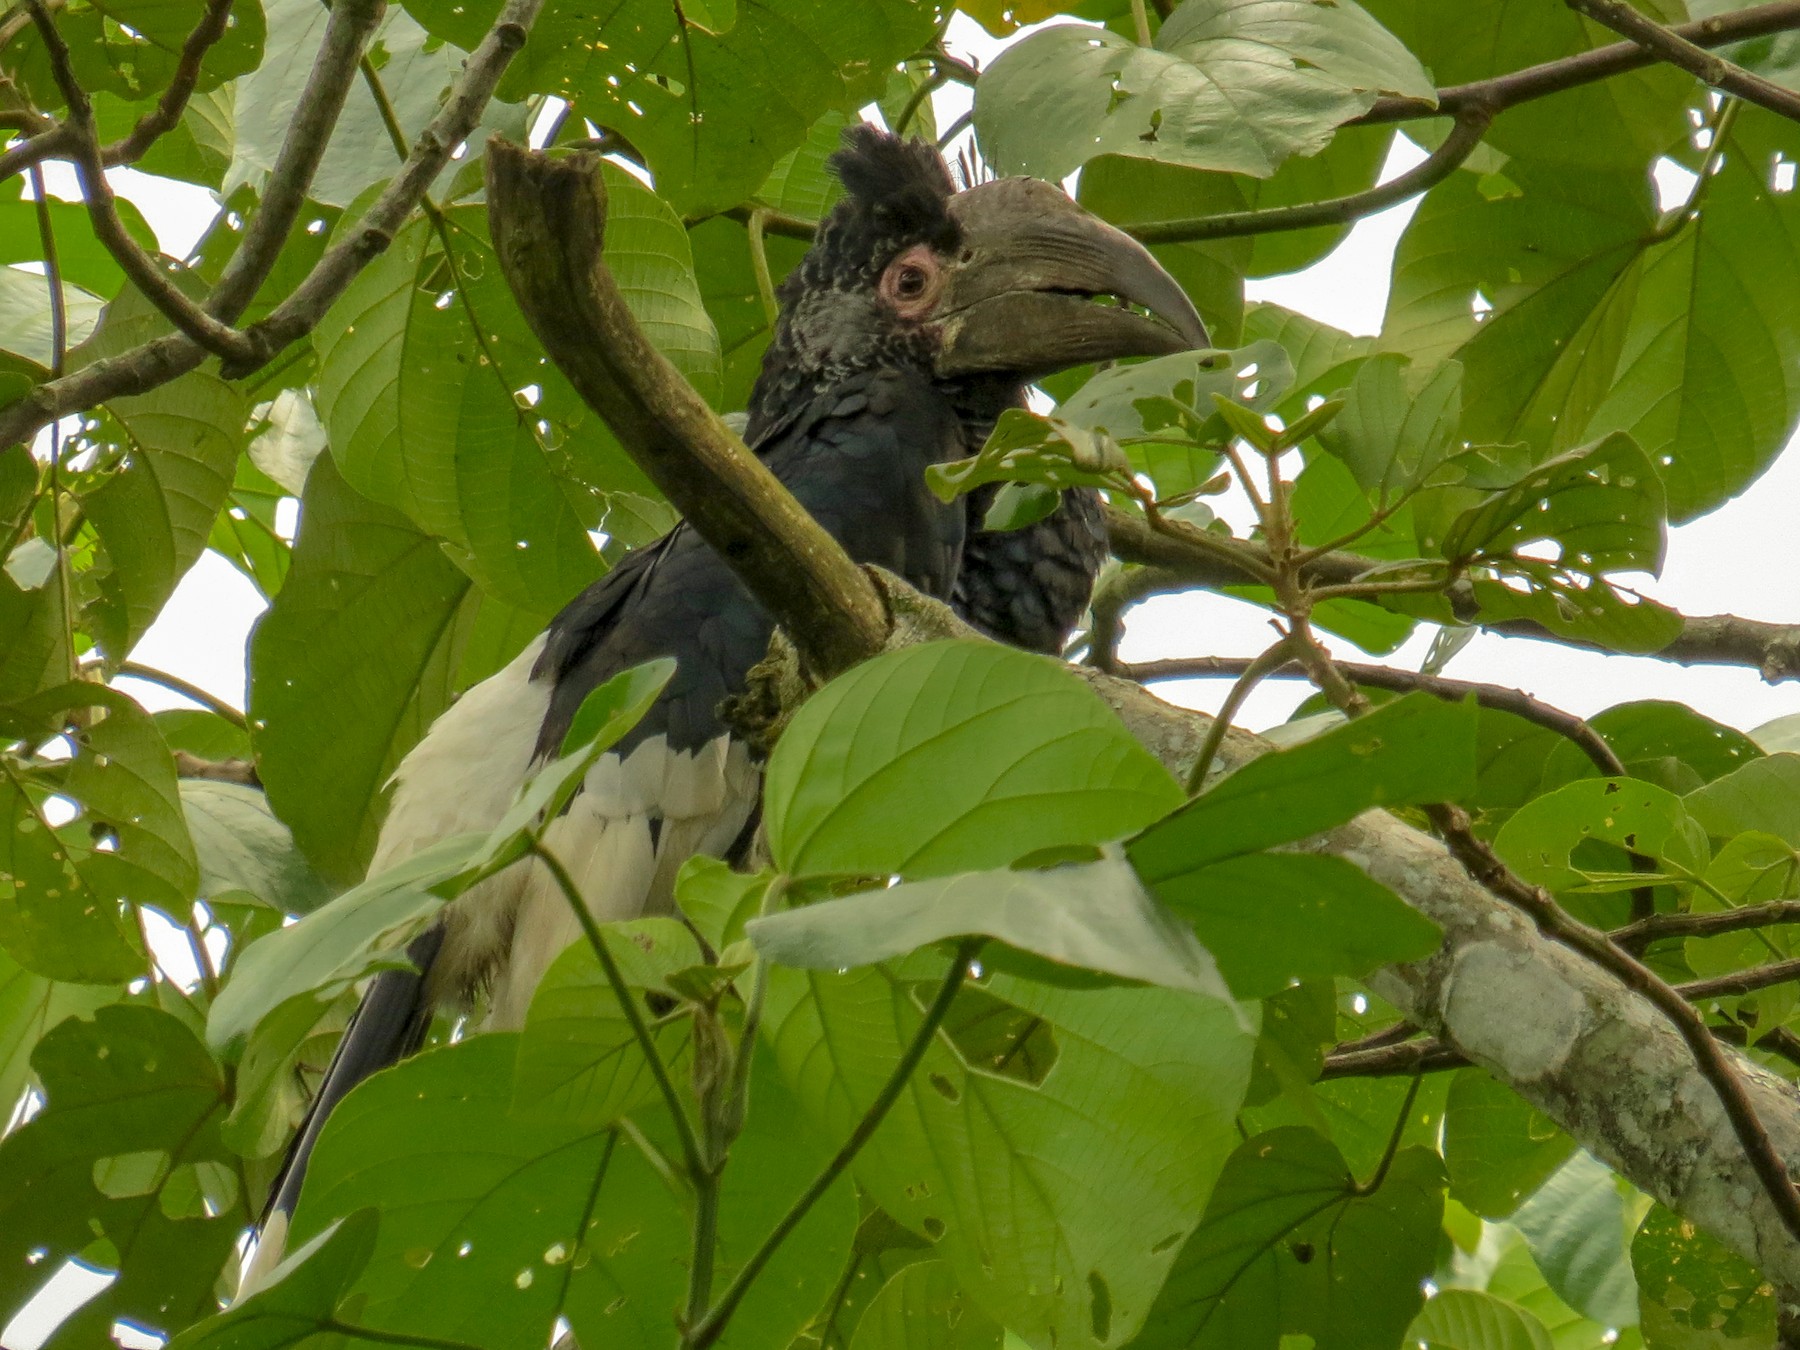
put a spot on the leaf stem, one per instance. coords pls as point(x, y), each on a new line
point(1253, 674)
point(1373, 1184)
point(692, 1157)
point(176, 685)
point(712, 1326)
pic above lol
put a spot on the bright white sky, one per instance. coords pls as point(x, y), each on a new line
point(1736, 560)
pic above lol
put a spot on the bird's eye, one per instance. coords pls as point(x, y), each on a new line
point(909, 282)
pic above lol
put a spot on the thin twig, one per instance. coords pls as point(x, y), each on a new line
point(1471, 125)
point(1710, 924)
point(710, 1327)
point(1667, 45)
point(693, 1158)
point(1571, 72)
point(1248, 678)
point(1741, 981)
point(187, 689)
point(164, 117)
point(1386, 1061)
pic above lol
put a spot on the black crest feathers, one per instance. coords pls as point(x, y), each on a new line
point(902, 186)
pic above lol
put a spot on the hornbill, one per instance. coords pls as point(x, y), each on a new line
point(917, 317)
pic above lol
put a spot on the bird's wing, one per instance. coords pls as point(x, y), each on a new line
point(1028, 587)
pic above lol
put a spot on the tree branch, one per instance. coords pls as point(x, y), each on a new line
point(169, 108)
point(1570, 72)
point(296, 316)
point(1709, 924)
point(1666, 45)
point(548, 219)
point(1409, 1057)
point(1772, 649)
point(145, 272)
point(1471, 125)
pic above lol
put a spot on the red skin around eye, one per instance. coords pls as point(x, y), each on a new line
point(912, 282)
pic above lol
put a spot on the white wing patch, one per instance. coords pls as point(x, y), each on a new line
point(467, 770)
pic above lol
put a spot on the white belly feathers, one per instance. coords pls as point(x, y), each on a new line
point(504, 933)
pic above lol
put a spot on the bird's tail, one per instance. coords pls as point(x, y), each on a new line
point(388, 1025)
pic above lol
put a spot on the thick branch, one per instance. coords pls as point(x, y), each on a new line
point(1570, 72)
point(1772, 649)
point(548, 219)
point(1569, 1037)
point(1666, 45)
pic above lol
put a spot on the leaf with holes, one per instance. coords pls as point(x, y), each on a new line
point(1055, 1175)
point(950, 757)
point(1544, 839)
point(1240, 86)
point(1291, 1243)
point(124, 1159)
point(69, 893)
point(1399, 422)
point(923, 1308)
point(1694, 1290)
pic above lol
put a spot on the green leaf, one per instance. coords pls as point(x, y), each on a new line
point(1764, 795)
point(1291, 1243)
point(415, 72)
point(922, 1308)
point(68, 894)
point(711, 111)
point(30, 1005)
point(717, 901)
point(953, 756)
point(1413, 749)
point(80, 257)
point(1094, 916)
point(502, 1224)
point(1695, 1292)
point(179, 444)
point(1057, 1203)
point(359, 932)
point(1028, 447)
point(351, 664)
point(1666, 743)
point(1540, 841)
point(1498, 1148)
point(132, 47)
point(1269, 919)
point(1240, 85)
point(301, 1298)
point(132, 1108)
point(578, 1061)
point(1398, 424)
point(618, 705)
point(1601, 504)
point(1323, 359)
point(241, 846)
point(1467, 1319)
point(1578, 1226)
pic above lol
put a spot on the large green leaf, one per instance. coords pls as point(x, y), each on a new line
point(1093, 916)
point(1237, 85)
point(1579, 1227)
point(1764, 795)
point(501, 1225)
point(578, 1061)
point(1397, 424)
point(179, 444)
point(69, 893)
point(30, 1005)
point(953, 756)
point(922, 1308)
point(1578, 317)
point(1667, 743)
point(1498, 1148)
point(240, 846)
point(25, 315)
point(415, 71)
point(1696, 1293)
point(1467, 1319)
point(1292, 1243)
point(1413, 749)
point(123, 1166)
point(710, 98)
point(1541, 840)
point(1057, 1203)
point(352, 662)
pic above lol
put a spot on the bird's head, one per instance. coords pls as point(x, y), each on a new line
point(1007, 279)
